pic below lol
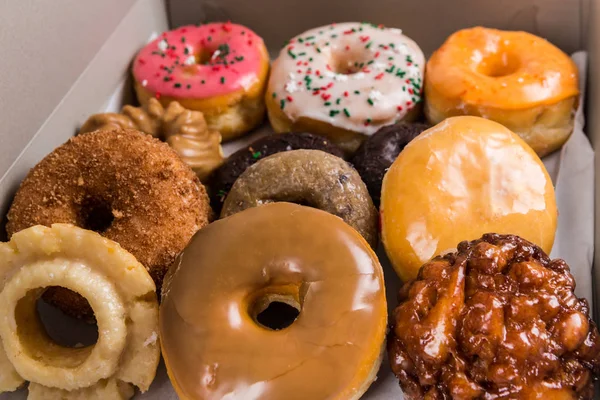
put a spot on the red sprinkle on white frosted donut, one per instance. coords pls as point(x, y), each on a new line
point(355, 76)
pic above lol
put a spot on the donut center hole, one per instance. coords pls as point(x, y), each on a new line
point(348, 62)
point(212, 55)
point(48, 335)
point(498, 65)
point(276, 312)
point(65, 330)
point(96, 215)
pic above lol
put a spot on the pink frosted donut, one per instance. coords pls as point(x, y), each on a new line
point(218, 68)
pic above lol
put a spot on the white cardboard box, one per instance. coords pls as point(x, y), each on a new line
point(64, 60)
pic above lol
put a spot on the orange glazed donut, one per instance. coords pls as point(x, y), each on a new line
point(514, 78)
point(215, 344)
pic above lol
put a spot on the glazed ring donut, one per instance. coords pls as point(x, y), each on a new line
point(219, 68)
point(212, 341)
point(376, 155)
point(458, 180)
point(308, 177)
point(514, 78)
point(223, 178)
point(120, 292)
point(126, 185)
point(345, 81)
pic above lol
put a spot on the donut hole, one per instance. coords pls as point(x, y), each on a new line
point(50, 336)
point(349, 62)
point(96, 215)
point(204, 56)
point(499, 64)
point(275, 312)
point(210, 54)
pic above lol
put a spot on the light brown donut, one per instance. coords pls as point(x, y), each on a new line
point(308, 177)
point(118, 288)
point(215, 346)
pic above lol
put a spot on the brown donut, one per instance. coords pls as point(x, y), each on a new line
point(497, 319)
point(123, 184)
point(307, 177)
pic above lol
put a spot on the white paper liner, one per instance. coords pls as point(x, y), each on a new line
point(572, 171)
point(574, 182)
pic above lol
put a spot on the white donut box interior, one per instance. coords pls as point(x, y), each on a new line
point(65, 60)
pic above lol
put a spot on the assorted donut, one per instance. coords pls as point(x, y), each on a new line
point(309, 177)
point(515, 78)
point(124, 184)
point(345, 81)
point(219, 69)
point(256, 274)
point(462, 178)
point(215, 346)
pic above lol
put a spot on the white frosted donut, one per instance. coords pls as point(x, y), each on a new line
point(345, 81)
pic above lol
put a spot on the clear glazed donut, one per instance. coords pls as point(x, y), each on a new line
point(515, 78)
point(458, 180)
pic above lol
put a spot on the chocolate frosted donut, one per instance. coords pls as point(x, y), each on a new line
point(123, 184)
point(495, 320)
point(379, 151)
point(224, 177)
point(308, 177)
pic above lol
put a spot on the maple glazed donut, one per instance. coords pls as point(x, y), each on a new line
point(345, 81)
point(215, 348)
point(515, 78)
point(124, 184)
point(218, 68)
point(309, 177)
point(458, 180)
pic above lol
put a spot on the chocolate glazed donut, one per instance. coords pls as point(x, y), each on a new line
point(379, 151)
point(223, 178)
point(308, 177)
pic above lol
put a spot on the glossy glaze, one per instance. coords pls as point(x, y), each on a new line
point(501, 69)
point(185, 130)
point(514, 78)
point(201, 62)
point(458, 180)
point(496, 320)
point(213, 347)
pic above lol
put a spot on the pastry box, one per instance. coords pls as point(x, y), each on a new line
point(63, 62)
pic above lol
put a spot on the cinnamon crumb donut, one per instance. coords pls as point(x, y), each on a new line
point(123, 184)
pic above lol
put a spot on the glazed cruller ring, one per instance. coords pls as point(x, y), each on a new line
point(119, 290)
